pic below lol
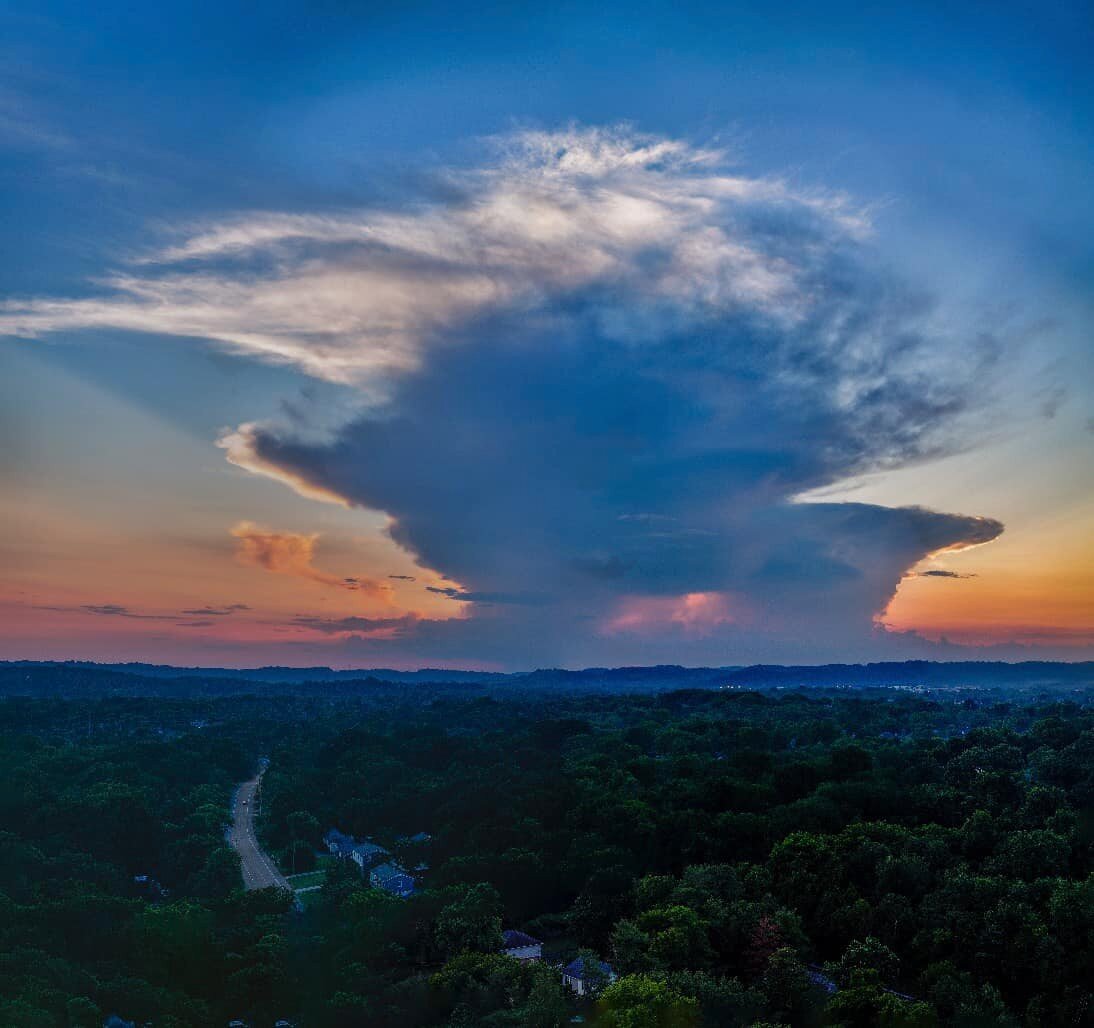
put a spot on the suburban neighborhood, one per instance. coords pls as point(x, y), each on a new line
point(583, 976)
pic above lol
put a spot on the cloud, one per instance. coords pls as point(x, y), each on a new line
point(597, 370)
point(291, 553)
point(937, 573)
point(363, 293)
point(468, 596)
point(373, 628)
point(694, 614)
point(403, 578)
point(116, 610)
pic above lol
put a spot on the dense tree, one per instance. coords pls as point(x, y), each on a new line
point(643, 1001)
point(871, 858)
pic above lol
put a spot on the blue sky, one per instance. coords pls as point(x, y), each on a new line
point(939, 155)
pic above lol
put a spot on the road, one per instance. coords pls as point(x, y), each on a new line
point(259, 871)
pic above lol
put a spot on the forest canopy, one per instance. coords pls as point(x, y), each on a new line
point(727, 857)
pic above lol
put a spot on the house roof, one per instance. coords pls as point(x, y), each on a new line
point(517, 940)
point(369, 849)
point(383, 872)
point(826, 983)
point(576, 969)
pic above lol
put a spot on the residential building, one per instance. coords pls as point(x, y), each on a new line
point(579, 977)
point(521, 945)
point(339, 844)
point(367, 854)
point(392, 878)
point(817, 977)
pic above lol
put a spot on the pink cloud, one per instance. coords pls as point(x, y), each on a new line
point(694, 614)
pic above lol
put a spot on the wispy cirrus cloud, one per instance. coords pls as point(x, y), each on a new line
point(365, 293)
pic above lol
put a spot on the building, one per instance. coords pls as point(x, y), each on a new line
point(392, 878)
point(148, 886)
point(339, 844)
point(364, 854)
point(113, 1021)
point(521, 946)
point(417, 841)
point(367, 854)
point(579, 977)
point(819, 978)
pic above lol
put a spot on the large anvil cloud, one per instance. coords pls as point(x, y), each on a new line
point(594, 376)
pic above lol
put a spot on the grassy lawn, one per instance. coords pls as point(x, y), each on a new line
point(308, 878)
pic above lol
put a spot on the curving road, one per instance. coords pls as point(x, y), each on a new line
point(259, 871)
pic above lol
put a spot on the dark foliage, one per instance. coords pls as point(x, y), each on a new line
point(831, 858)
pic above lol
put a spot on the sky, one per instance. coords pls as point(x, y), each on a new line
point(504, 336)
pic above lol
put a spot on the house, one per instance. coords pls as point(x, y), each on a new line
point(364, 854)
point(367, 854)
point(150, 887)
point(339, 844)
point(819, 978)
point(392, 878)
point(521, 945)
point(578, 977)
point(417, 839)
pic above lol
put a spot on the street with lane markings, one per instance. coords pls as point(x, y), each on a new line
point(259, 870)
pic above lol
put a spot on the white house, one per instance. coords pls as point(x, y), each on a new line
point(367, 855)
point(521, 945)
point(580, 978)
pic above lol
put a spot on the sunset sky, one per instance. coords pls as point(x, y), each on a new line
point(502, 336)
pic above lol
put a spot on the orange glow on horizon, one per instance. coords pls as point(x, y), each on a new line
point(993, 605)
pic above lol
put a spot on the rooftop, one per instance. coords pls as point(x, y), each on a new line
point(515, 939)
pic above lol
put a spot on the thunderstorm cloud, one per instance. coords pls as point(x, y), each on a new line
point(592, 377)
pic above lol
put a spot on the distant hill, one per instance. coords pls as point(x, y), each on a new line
point(268, 674)
point(85, 678)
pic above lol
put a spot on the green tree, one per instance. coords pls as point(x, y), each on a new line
point(472, 921)
point(646, 1001)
